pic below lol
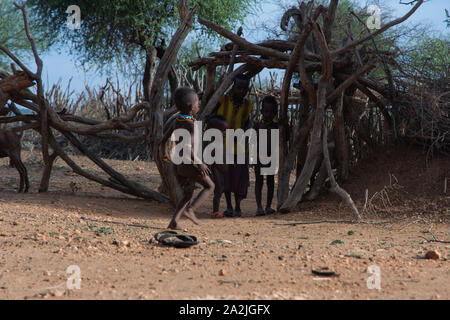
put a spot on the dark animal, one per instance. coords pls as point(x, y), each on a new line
point(10, 147)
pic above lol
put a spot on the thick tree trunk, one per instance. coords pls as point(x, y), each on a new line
point(147, 79)
point(299, 144)
point(45, 180)
point(314, 151)
point(174, 80)
point(318, 183)
point(342, 154)
point(210, 85)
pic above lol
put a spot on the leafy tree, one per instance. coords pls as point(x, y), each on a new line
point(126, 30)
point(428, 58)
point(12, 34)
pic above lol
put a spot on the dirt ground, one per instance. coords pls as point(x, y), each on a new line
point(109, 236)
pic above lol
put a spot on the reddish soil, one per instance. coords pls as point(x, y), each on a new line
point(109, 235)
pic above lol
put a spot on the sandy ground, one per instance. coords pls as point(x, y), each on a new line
point(109, 237)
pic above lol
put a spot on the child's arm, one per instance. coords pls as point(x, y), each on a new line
point(198, 163)
point(165, 155)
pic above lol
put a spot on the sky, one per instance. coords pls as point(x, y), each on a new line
point(60, 67)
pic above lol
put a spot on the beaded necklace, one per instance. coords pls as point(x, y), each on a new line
point(185, 117)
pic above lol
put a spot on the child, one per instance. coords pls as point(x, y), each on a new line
point(186, 101)
point(269, 110)
point(218, 170)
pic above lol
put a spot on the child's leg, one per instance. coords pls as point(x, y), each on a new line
point(270, 192)
point(237, 208)
point(181, 206)
point(228, 199)
point(240, 186)
point(258, 188)
point(228, 177)
point(208, 185)
point(218, 189)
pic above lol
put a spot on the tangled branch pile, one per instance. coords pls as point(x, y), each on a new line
point(336, 94)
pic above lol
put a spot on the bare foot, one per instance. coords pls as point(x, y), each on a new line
point(190, 214)
point(174, 226)
point(260, 212)
point(228, 212)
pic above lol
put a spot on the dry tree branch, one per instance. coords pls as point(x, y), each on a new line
point(244, 44)
point(353, 44)
point(334, 185)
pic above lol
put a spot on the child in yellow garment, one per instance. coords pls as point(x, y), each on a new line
point(236, 109)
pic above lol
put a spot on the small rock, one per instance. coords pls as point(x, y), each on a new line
point(432, 254)
point(222, 272)
point(247, 234)
point(280, 258)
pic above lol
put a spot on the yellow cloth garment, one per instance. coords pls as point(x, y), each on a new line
point(236, 120)
point(236, 116)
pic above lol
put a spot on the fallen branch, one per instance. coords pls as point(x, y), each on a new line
point(434, 239)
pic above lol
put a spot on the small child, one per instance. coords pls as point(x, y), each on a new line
point(269, 110)
point(186, 101)
point(218, 170)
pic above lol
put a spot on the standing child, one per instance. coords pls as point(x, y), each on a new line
point(269, 110)
point(186, 101)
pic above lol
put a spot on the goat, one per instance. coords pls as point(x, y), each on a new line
point(10, 147)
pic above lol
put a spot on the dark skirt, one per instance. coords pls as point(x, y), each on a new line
point(237, 179)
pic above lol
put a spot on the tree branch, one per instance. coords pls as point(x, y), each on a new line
point(379, 31)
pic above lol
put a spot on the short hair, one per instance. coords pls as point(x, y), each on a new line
point(211, 121)
point(184, 98)
point(272, 101)
point(242, 77)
